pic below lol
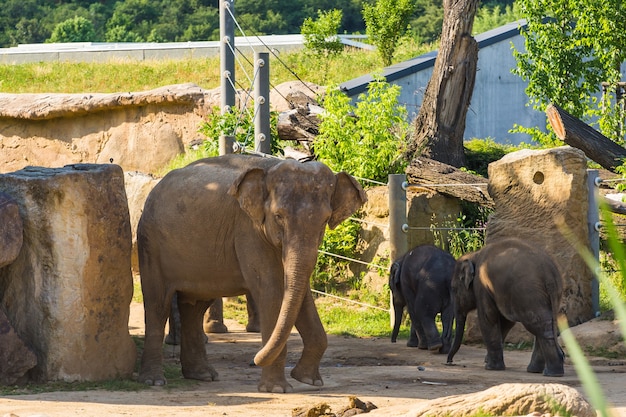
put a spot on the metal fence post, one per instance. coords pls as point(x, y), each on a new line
point(593, 225)
point(262, 133)
point(227, 54)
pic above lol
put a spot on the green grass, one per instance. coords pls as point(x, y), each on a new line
point(123, 76)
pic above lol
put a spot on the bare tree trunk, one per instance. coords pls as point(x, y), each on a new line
point(440, 123)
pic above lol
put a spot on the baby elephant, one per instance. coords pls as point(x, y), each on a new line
point(510, 281)
point(420, 280)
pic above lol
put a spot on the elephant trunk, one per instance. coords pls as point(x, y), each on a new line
point(297, 269)
point(458, 335)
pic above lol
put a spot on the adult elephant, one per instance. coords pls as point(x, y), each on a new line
point(421, 281)
point(233, 225)
point(509, 281)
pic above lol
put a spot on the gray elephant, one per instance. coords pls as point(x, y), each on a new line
point(232, 225)
point(421, 281)
point(509, 281)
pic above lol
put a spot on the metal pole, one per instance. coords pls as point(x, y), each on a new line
point(227, 54)
point(262, 133)
point(593, 225)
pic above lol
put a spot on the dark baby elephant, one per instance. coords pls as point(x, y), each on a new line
point(509, 281)
point(234, 225)
point(420, 280)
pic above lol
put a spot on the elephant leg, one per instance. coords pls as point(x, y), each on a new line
point(547, 356)
point(156, 310)
point(314, 339)
point(414, 339)
point(214, 318)
point(173, 335)
point(254, 324)
point(433, 339)
point(193, 358)
point(273, 375)
point(447, 318)
point(492, 337)
point(505, 327)
point(416, 324)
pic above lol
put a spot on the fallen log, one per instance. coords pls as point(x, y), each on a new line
point(446, 179)
point(578, 134)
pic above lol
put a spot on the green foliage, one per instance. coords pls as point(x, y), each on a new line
point(463, 234)
point(479, 153)
point(320, 36)
point(385, 23)
point(569, 52)
point(490, 16)
point(237, 123)
point(427, 20)
point(77, 29)
point(365, 139)
point(332, 273)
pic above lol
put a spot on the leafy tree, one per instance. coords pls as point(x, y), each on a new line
point(320, 36)
point(569, 51)
point(427, 20)
point(365, 139)
point(77, 29)
point(385, 23)
point(491, 16)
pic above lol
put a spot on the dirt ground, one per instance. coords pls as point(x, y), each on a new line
point(394, 377)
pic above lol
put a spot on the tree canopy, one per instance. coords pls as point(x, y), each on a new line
point(33, 21)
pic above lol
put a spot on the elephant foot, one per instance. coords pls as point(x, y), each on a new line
point(253, 328)
point(152, 378)
point(413, 344)
point(535, 368)
point(494, 366)
point(172, 340)
point(435, 348)
point(556, 371)
point(214, 326)
point(278, 385)
point(207, 374)
point(307, 376)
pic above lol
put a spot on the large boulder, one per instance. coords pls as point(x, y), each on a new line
point(68, 292)
point(509, 400)
point(11, 230)
point(15, 357)
point(542, 196)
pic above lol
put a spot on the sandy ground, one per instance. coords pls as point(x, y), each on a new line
point(392, 376)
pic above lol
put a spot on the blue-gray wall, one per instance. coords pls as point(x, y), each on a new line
point(499, 100)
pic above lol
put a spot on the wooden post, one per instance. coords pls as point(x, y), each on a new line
point(397, 225)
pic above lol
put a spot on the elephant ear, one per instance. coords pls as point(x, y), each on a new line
point(250, 191)
point(468, 271)
point(347, 198)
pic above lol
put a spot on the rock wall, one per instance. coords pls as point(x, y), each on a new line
point(68, 292)
point(139, 131)
point(542, 196)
